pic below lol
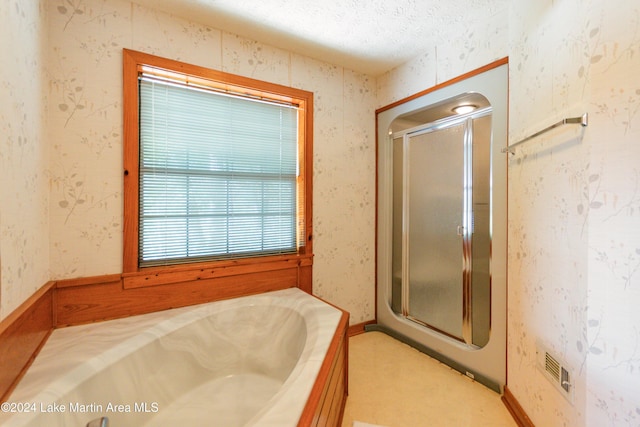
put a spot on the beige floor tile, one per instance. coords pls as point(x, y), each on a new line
point(393, 385)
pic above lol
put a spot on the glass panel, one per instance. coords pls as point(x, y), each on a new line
point(481, 237)
point(218, 175)
point(435, 162)
point(398, 173)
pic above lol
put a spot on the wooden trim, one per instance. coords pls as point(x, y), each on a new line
point(83, 281)
point(306, 169)
point(22, 335)
point(226, 80)
point(461, 77)
point(330, 369)
point(305, 278)
point(190, 272)
point(133, 62)
point(131, 111)
point(104, 301)
point(334, 396)
point(516, 410)
point(358, 328)
point(24, 308)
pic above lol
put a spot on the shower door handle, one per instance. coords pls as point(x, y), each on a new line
point(460, 230)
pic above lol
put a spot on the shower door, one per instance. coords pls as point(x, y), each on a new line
point(437, 197)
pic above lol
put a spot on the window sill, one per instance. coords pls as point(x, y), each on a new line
point(156, 276)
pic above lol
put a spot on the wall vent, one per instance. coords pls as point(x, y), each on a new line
point(552, 366)
point(556, 371)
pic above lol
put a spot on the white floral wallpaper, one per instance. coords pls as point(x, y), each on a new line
point(86, 38)
point(24, 187)
point(449, 54)
point(611, 342)
point(575, 241)
point(574, 196)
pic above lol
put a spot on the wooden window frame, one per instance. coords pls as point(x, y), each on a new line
point(133, 63)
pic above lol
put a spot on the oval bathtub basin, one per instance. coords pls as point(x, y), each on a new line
point(249, 361)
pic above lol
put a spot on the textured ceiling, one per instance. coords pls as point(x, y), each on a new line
point(370, 36)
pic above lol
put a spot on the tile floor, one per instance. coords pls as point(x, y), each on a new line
point(394, 385)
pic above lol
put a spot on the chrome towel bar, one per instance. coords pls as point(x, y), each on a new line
point(582, 120)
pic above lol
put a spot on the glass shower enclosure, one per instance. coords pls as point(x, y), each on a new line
point(441, 233)
point(441, 279)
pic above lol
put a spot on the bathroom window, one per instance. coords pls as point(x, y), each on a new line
point(215, 165)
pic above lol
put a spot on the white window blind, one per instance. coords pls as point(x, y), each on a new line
point(218, 175)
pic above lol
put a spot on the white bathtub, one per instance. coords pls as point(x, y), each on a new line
point(249, 361)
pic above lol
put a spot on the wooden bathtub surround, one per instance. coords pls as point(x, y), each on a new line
point(78, 305)
point(328, 398)
point(22, 335)
point(92, 299)
point(110, 297)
